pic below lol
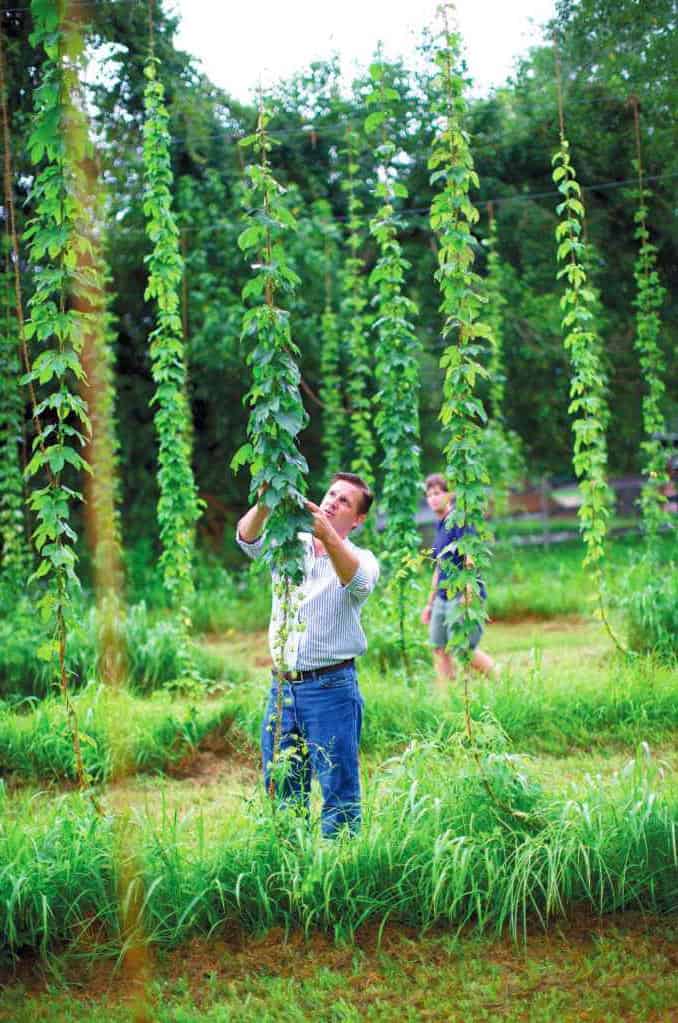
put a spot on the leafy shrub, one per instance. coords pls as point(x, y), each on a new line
point(651, 606)
point(222, 600)
point(151, 647)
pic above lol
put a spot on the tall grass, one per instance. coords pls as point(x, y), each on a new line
point(120, 734)
point(442, 843)
point(650, 604)
point(151, 646)
point(581, 706)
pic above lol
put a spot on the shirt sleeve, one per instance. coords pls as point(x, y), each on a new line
point(365, 578)
point(252, 550)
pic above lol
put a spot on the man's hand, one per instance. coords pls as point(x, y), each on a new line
point(322, 527)
point(426, 614)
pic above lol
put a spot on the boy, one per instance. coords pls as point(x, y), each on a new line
point(436, 614)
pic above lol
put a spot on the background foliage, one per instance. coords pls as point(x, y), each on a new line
point(511, 134)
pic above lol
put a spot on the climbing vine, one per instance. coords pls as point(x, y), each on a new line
point(58, 143)
point(648, 301)
point(462, 414)
point(331, 377)
point(277, 414)
point(502, 447)
point(356, 323)
point(396, 353)
point(588, 383)
point(14, 552)
point(178, 504)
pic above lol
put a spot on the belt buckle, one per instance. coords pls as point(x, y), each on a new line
point(291, 676)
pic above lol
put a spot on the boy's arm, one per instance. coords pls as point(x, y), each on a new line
point(426, 613)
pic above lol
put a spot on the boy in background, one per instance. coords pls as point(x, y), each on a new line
point(436, 614)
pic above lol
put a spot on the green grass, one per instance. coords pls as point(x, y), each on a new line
point(585, 971)
point(573, 824)
point(444, 842)
point(578, 703)
point(120, 734)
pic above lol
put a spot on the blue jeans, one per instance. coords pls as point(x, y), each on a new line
point(320, 734)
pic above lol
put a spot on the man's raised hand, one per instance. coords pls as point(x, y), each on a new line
point(322, 527)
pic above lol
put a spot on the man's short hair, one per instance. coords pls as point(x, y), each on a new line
point(436, 479)
point(366, 495)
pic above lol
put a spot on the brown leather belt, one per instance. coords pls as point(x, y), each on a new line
point(306, 676)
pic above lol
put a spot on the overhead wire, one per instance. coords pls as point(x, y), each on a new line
point(418, 214)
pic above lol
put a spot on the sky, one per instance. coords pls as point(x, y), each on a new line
point(242, 42)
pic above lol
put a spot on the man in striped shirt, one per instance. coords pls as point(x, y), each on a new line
point(322, 705)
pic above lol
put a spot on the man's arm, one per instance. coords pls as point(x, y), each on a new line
point(252, 523)
point(344, 561)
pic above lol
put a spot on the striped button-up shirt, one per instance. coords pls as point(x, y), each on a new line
point(326, 625)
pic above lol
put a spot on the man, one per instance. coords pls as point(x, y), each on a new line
point(322, 705)
point(436, 614)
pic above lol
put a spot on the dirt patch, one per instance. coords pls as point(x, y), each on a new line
point(548, 622)
point(232, 956)
point(216, 754)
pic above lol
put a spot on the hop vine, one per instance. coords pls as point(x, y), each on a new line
point(397, 353)
point(588, 383)
point(649, 299)
point(355, 316)
point(58, 144)
point(13, 545)
point(277, 414)
point(331, 387)
point(178, 504)
point(462, 414)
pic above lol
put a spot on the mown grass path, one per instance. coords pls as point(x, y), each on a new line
point(623, 970)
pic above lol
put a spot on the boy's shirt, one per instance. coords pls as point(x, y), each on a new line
point(452, 560)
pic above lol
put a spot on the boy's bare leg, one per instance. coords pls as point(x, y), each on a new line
point(445, 668)
point(483, 663)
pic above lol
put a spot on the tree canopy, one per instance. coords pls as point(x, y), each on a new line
point(610, 52)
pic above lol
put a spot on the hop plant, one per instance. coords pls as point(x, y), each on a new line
point(356, 321)
point(58, 145)
point(277, 414)
point(178, 504)
point(397, 353)
point(462, 414)
point(650, 295)
point(588, 384)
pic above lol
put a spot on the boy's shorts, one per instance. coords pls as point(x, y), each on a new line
point(440, 629)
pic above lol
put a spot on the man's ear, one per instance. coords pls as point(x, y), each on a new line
point(358, 522)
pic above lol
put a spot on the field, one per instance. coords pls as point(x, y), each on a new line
point(459, 295)
point(530, 874)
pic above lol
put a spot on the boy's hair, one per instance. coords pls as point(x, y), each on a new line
point(367, 497)
point(436, 479)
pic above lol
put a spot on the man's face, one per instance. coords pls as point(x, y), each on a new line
point(341, 504)
point(437, 499)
